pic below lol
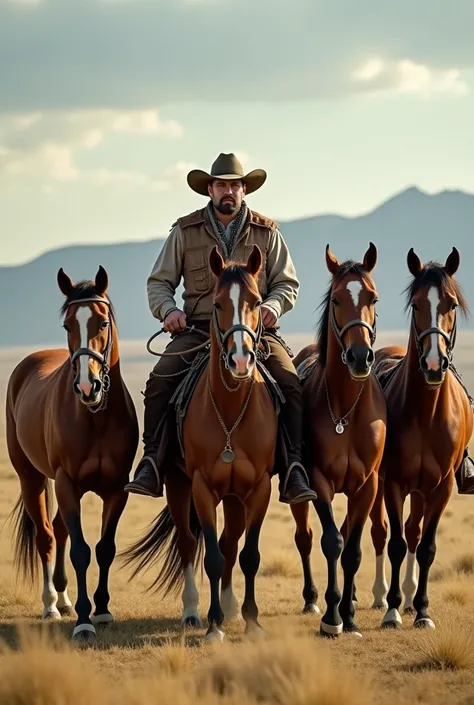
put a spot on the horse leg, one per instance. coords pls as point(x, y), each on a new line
point(358, 510)
point(234, 527)
point(343, 531)
point(69, 502)
point(34, 499)
point(178, 496)
point(304, 544)
point(113, 506)
point(206, 503)
point(378, 532)
point(60, 581)
point(397, 548)
point(426, 551)
point(413, 536)
point(256, 507)
point(332, 544)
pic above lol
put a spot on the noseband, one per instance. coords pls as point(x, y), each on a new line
point(223, 337)
point(102, 358)
point(340, 332)
point(450, 340)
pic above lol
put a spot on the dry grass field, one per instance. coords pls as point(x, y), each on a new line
point(143, 657)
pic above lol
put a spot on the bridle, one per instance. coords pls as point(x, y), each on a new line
point(450, 340)
point(222, 337)
point(340, 332)
point(102, 358)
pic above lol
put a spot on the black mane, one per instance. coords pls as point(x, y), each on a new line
point(434, 274)
point(83, 290)
point(348, 267)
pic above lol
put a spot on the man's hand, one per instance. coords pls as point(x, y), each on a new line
point(269, 318)
point(175, 321)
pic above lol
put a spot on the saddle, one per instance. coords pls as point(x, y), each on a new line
point(306, 367)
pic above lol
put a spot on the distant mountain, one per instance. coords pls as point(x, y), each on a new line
point(430, 223)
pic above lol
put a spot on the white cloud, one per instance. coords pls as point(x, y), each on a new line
point(46, 144)
point(406, 77)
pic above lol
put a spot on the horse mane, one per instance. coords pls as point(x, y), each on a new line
point(434, 274)
point(84, 289)
point(347, 267)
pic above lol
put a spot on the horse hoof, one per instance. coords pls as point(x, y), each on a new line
point(331, 630)
point(105, 618)
point(392, 620)
point(311, 608)
point(215, 636)
point(84, 634)
point(52, 614)
point(353, 630)
point(66, 610)
point(255, 631)
point(409, 610)
point(424, 623)
point(191, 621)
point(379, 605)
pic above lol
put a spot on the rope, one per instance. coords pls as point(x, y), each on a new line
point(181, 352)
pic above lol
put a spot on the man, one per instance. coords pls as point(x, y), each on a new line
point(227, 221)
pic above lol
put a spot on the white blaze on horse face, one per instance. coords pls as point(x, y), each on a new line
point(354, 288)
point(83, 315)
point(432, 358)
point(240, 358)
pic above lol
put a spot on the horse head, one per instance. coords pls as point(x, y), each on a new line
point(87, 321)
point(351, 310)
point(434, 297)
point(236, 315)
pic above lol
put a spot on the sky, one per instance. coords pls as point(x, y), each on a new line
point(105, 105)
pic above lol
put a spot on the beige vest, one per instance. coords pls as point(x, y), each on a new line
point(199, 239)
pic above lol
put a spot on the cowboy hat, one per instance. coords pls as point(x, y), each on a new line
point(226, 167)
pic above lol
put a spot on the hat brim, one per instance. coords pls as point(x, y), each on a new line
point(198, 180)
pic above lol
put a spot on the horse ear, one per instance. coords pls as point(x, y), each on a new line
point(216, 262)
point(332, 262)
point(101, 281)
point(370, 258)
point(254, 262)
point(452, 262)
point(414, 262)
point(65, 282)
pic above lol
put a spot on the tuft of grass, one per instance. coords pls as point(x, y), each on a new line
point(280, 565)
point(448, 648)
point(464, 564)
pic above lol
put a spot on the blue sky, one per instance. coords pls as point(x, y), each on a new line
point(106, 104)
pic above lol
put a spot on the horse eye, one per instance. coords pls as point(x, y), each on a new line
point(375, 301)
point(66, 328)
point(414, 307)
point(104, 325)
point(258, 303)
point(454, 305)
point(335, 302)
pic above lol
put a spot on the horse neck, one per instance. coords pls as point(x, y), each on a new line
point(227, 402)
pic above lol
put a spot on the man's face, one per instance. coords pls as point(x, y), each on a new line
point(227, 196)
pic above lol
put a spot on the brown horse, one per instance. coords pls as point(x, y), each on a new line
point(229, 435)
point(344, 432)
point(71, 419)
point(429, 425)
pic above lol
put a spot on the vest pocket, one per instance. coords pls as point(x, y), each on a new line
point(198, 267)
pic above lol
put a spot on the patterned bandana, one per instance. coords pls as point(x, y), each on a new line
point(229, 235)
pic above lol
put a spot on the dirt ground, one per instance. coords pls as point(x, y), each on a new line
point(144, 657)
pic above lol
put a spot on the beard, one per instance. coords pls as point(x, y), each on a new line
point(227, 206)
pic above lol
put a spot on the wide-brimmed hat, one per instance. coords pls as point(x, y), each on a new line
point(227, 167)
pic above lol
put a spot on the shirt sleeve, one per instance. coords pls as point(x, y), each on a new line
point(165, 275)
point(283, 285)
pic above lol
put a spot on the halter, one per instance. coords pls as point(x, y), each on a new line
point(450, 340)
point(102, 358)
point(340, 332)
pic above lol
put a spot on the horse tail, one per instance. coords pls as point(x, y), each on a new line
point(25, 552)
point(160, 541)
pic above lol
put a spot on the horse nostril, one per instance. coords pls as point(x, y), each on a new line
point(445, 363)
point(350, 357)
point(96, 386)
point(423, 364)
point(370, 356)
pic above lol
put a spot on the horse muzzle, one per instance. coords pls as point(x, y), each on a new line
point(241, 366)
point(90, 391)
point(359, 360)
point(434, 368)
